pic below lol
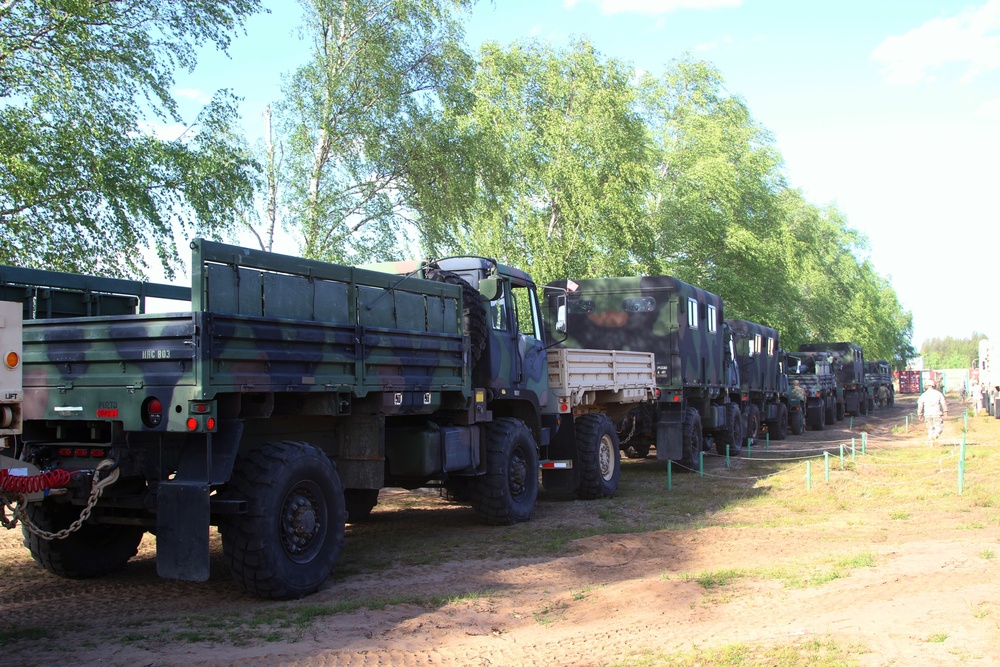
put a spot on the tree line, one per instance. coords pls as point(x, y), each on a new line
point(393, 136)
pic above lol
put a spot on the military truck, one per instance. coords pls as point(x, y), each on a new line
point(281, 400)
point(878, 377)
point(684, 326)
point(763, 380)
point(811, 371)
point(11, 392)
point(848, 363)
point(796, 393)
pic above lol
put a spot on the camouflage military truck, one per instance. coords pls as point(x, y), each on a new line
point(796, 394)
point(763, 381)
point(878, 377)
point(848, 363)
point(282, 400)
point(696, 376)
point(812, 372)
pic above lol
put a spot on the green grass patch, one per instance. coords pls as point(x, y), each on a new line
point(792, 575)
point(807, 652)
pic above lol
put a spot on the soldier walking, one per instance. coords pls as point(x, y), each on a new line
point(932, 409)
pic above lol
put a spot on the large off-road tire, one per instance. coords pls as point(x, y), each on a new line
point(779, 427)
point(636, 450)
point(359, 503)
point(753, 423)
point(892, 397)
point(817, 416)
point(506, 494)
point(290, 538)
point(600, 456)
point(693, 441)
point(92, 551)
point(834, 411)
point(473, 311)
point(732, 435)
point(796, 422)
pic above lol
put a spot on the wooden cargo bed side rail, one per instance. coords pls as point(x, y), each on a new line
point(589, 377)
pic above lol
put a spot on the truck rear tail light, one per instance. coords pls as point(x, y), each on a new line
point(563, 405)
point(192, 424)
point(12, 359)
point(199, 407)
point(65, 452)
point(81, 452)
point(152, 412)
point(210, 423)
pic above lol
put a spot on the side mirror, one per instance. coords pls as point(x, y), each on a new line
point(561, 314)
point(489, 288)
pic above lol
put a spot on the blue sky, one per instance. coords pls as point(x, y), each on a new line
point(888, 109)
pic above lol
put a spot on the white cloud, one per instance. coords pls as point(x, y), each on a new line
point(970, 39)
point(713, 45)
point(989, 110)
point(163, 131)
point(193, 94)
point(652, 7)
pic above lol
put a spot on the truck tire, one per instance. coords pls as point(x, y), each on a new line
point(290, 538)
point(838, 414)
point(94, 550)
point(359, 503)
point(506, 494)
point(779, 427)
point(600, 457)
point(693, 440)
point(473, 311)
point(834, 412)
point(732, 436)
point(752, 431)
point(797, 422)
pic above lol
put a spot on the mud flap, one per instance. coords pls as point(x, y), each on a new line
point(182, 527)
point(670, 435)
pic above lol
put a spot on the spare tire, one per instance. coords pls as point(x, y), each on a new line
point(473, 311)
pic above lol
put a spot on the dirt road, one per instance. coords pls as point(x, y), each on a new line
point(931, 596)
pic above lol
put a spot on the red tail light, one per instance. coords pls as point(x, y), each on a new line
point(152, 412)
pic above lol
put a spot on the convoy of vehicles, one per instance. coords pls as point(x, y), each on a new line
point(289, 394)
point(283, 394)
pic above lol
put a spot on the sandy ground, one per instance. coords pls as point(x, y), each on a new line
point(607, 601)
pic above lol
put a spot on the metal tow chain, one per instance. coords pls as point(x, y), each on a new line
point(97, 487)
point(631, 433)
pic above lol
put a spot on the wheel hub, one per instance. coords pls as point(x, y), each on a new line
point(299, 522)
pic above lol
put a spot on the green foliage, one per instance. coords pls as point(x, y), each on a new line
point(562, 160)
point(83, 183)
point(367, 142)
point(951, 352)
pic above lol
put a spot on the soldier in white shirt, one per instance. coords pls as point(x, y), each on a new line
point(932, 409)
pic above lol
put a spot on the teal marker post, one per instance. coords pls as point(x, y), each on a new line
point(826, 465)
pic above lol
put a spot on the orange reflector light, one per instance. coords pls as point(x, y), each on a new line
point(11, 359)
point(192, 424)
